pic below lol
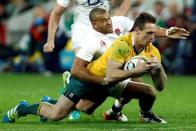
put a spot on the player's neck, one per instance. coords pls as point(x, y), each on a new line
point(138, 47)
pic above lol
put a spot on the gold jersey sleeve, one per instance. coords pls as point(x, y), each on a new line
point(119, 52)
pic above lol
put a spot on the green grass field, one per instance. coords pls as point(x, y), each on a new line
point(176, 104)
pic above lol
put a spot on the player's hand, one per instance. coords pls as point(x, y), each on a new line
point(48, 47)
point(143, 67)
point(177, 33)
point(155, 64)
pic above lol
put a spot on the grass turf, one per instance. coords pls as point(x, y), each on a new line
point(176, 104)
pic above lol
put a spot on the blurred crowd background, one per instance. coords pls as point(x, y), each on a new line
point(23, 32)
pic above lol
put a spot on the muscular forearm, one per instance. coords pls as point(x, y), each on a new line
point(119, 75)
point(159, 78)
point(161, 32)
point(84, 74)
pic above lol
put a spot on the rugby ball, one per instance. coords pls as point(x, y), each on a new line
point(132, 63)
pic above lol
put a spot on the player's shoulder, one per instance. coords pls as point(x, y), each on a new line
point(121, 43)
point(120, 47)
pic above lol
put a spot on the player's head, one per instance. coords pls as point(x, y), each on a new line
point(145, 28)
point(100, 20)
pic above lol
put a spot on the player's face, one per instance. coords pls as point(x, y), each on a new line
point(147, 34)
point(103, 23)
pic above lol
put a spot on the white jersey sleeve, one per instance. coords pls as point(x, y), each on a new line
point(87, 51)
point(63, 3)
point(93, 46)
point(125, 23)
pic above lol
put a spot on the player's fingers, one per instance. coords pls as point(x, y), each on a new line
point(149, 62)
point(182, 37)
point(184, 31)
point(184, 34)
point(150, 66)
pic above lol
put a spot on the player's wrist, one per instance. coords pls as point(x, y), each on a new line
point(168, 31)
point(51, 41)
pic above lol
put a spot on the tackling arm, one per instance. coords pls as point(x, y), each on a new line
point(80, 71)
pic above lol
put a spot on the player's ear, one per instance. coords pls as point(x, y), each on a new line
point(93, 24)
point(137, 29)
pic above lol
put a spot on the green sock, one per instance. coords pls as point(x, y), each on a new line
point(28, 109)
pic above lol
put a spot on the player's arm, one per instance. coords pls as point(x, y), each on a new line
point(124, 8)
point(80, 71)
point(114, 72)
point(159, 77)
point(172, 32)
point(52, 26)
point(119, 52)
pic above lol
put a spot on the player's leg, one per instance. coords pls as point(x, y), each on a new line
point(120, 102)
point(75, 114)
point(146, 96)
point(53, 112)
point(115, 112)
point(58, 111)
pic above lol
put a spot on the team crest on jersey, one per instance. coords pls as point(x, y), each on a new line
point(117, 31)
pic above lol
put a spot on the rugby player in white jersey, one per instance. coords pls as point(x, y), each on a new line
point(81, 24)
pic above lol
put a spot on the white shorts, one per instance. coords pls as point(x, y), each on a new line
point(79, 31)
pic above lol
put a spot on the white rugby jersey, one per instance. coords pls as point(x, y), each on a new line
point(84, 7)
point(95, 43)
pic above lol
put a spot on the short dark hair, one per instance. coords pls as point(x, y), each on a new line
point(142, 19)
point(94, 12)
